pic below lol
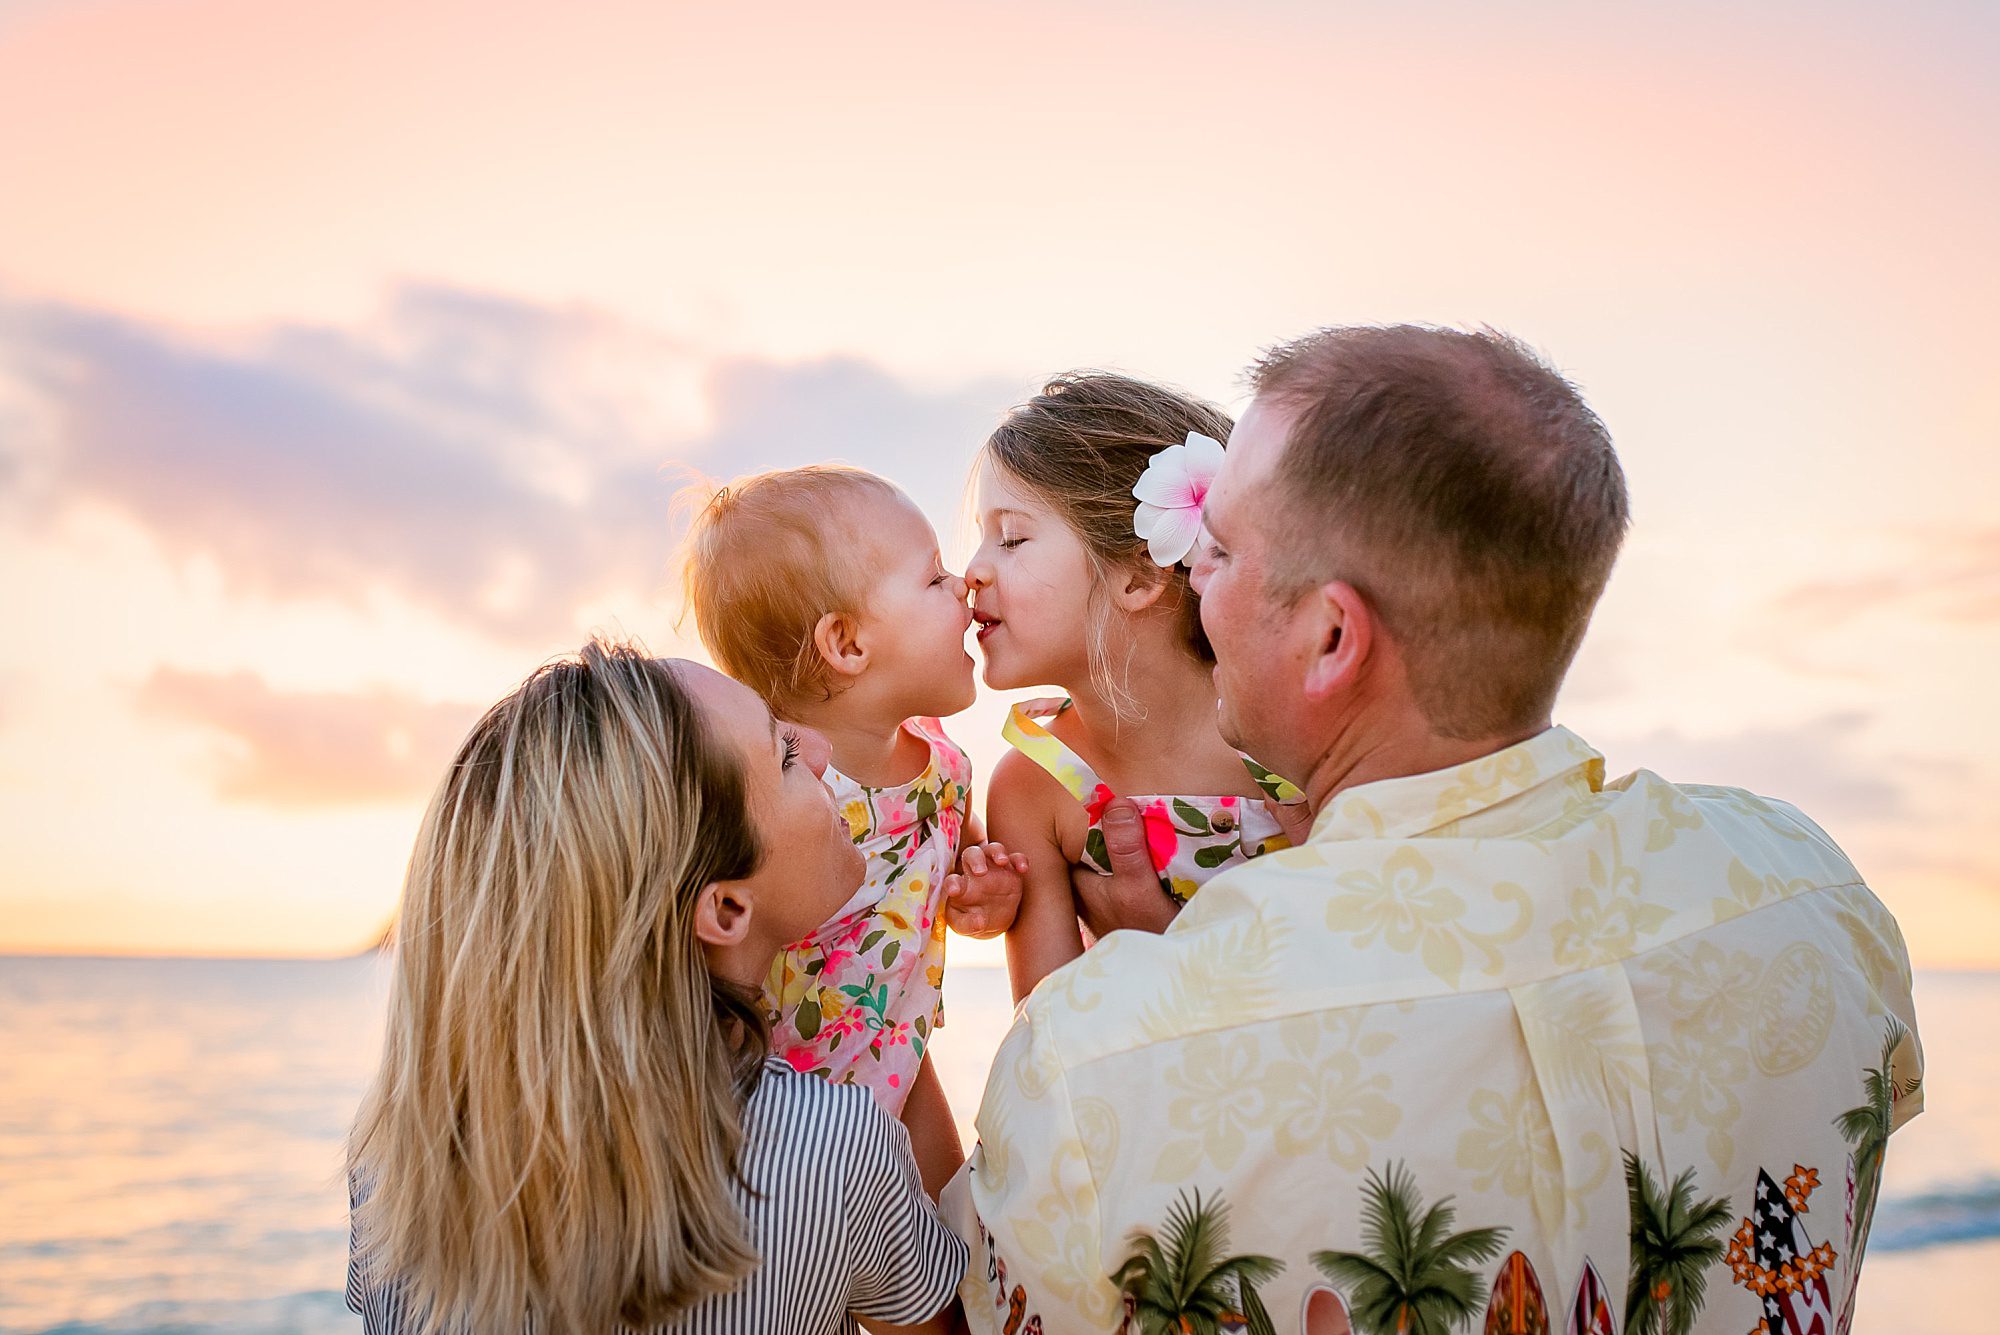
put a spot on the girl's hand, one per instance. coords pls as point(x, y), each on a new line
point(983, 895)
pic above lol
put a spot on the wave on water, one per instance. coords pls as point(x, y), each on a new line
point(323, 1312)
point(1937, 1218)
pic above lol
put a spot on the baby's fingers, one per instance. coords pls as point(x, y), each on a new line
point(954, 886)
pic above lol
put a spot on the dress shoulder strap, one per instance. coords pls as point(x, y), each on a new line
point(1275, 788)
point(1025, 732)
point(948, 756)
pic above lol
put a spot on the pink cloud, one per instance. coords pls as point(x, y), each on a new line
point(1952, 576)
point(463, 452)
point(309, 749)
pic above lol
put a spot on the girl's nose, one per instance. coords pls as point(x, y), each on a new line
point(978, 575)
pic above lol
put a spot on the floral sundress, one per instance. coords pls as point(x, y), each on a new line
point(1190, 838)
point(856, 1002)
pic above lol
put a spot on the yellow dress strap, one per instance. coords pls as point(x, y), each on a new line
point(1275, 788)
point(1024, 731)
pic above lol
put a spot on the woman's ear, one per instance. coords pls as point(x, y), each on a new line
point(721, 915)
point(837, 636)
point(1344, 631)
point(1139, 585)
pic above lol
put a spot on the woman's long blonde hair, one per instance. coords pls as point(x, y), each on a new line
point(557, 1119)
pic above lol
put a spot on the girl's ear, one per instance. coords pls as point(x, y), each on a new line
point(721, 915)
point(838, 639)
point(1139, 585)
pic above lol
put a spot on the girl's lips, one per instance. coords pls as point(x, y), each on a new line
point(986, 628)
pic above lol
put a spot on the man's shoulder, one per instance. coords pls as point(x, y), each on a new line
point(1218, 967)
point(1759, 832)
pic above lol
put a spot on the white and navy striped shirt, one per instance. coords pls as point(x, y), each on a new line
point(835, 1208)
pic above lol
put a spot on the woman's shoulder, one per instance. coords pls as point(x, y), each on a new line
point(793, 1111)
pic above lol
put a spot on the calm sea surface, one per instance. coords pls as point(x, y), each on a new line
point(170, 1144)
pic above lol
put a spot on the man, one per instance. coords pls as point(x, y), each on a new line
point(1500, 1044)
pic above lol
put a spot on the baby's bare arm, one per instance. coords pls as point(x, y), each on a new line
point(933, 1132)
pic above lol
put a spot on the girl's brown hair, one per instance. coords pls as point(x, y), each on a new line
point(557, 1120)
point(1081, 444)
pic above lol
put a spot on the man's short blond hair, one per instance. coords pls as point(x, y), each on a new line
point(767, 557)
point(1466, 489)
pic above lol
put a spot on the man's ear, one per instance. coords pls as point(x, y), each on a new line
point(721, 914)
point(837, 636)
point(1344, 631)
point(1138, 586)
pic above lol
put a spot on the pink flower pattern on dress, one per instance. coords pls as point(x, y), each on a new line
point(857, 1001)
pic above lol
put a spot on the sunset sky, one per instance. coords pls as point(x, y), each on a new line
point(351, 356)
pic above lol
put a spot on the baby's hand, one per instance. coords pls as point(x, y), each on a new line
point(983, 895)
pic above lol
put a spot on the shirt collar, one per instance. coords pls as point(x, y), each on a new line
point(1418, 804)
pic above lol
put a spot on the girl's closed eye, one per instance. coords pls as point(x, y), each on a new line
point(1009, 544)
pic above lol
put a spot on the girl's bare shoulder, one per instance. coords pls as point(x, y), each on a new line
point(1022, 796)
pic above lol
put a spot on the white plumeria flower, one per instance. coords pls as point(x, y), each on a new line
point(1170, 493)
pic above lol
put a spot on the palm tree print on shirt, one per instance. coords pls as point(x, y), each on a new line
point(1674, 1243)
point(1417, 1276)
point(1184, 1283)
point(1866, 1130)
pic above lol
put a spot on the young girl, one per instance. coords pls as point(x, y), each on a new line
point(1089, 503)
point(822, 588)
point(575, 1127)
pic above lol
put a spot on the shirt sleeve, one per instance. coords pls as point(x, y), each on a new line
point(1026, 1202)
point(355, 1290)
point(904, 1263)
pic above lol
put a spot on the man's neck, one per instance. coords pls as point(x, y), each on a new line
point(1373, 748)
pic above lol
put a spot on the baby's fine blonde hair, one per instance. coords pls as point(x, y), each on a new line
point(767, 557)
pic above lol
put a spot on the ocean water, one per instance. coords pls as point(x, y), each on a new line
point(171, 1131)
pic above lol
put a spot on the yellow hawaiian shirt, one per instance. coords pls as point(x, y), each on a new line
point(1501, 1048)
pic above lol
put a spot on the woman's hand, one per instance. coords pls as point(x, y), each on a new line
point(1130, 897)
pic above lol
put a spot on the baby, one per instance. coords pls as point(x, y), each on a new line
point(822, 589)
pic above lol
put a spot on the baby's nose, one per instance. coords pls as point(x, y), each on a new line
point(816, 751)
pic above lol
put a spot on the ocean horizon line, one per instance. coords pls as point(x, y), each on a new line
point(365, 952)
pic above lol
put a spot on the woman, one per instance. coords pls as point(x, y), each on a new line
point(576, 1125)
